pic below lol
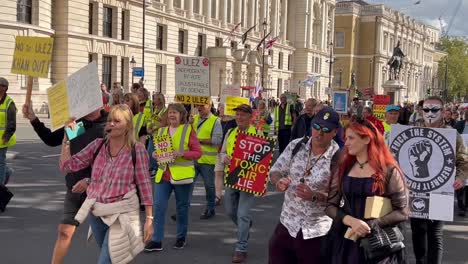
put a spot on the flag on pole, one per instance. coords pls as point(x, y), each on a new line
point(311, 79)
point(418, 2)
point(231, 34)
point(258, 88)
point(272, 41)
point(244, 36)
point(261, 41)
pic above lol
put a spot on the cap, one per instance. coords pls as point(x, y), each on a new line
point(4, 82)
point(392, 108)
point(244, 108)
point(327, 117)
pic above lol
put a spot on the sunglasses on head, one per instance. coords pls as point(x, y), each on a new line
point(321, 128)
point(433, 110)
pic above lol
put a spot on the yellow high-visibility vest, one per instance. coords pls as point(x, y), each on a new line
point(3, 122)
point(287, 117)
point(205, 131)
point(138, 121)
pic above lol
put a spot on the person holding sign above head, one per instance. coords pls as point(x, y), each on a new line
point(176, 176)
point(303, 172)
point(428, 234)
point(238, 203)
point(139, 125)
point(119, 169)
point(210, 134)
point(367, 170)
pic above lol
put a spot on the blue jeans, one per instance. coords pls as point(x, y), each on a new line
point(101, 235)
point(162, 192)
point(153, 165)
point(238, 205)
point(3, 166)
point(208, 174)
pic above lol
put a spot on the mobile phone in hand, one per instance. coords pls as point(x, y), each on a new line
point(73, 133)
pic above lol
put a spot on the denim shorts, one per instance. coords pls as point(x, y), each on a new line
point(71, 205)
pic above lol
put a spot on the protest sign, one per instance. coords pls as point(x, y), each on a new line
point(231, 89)
point(340, 102)
point(380, 102)
point(163, 151)
point(32, 56)
point(427, 159)
point(258, 120)
point(465, 139)
point(250, 163)
point(192, 80)
point(77, 96)
point(233, 102)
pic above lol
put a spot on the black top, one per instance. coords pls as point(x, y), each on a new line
point(93, 129)
point(301, 127)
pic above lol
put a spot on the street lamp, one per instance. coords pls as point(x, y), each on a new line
point(133, 63)
point(330, 70)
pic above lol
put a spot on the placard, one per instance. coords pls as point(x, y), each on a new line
point(191, 99)
point(250, 163)
point(427, 158)
point(340, 102)
point(32, 56)
point(192, 78)
point(465, 139)
point(163, 150)
point(380, 103)
point(233, 102)
point(77, 96)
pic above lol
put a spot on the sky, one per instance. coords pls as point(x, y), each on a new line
point(429, 11)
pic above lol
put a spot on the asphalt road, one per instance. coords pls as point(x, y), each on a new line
point(28, 227)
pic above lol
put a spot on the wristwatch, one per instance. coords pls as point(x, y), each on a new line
point(87, 180)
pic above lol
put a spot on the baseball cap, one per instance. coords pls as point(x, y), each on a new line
point(392, 108)
point(327, 117)
point(244, 108)
point(4, 82)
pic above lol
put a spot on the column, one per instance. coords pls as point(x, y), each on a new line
point(310, 28)
point(190, 9)
point(284, 19)
point(324, 26)
point(251, 9)
point(237, 11)
point(207, 11)
point(169, 6)
point(223, 13)
point(262, 11)
point(274, 17)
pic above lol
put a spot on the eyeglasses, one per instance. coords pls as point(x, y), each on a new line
point(433, 110)
point(321, 128)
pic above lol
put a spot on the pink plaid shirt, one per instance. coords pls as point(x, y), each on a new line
point(111, 179)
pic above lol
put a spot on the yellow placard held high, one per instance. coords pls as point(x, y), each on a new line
point(233, 102)
point(32, 56)
point(58, 105)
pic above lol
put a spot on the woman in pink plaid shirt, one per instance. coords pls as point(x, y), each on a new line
point(114, 178)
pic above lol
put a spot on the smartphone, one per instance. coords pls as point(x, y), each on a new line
point(73, 133)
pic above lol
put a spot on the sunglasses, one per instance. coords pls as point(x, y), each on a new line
point(433, 110)
point(321, 128)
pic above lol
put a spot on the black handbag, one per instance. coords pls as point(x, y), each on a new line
point(5, 197)
point(382, 243)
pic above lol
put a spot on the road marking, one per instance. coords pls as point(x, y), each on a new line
point(53, 155)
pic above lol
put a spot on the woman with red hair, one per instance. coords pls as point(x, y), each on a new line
point(367, 169)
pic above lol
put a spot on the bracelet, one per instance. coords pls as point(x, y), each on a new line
point(149, 217)
point(66, 142)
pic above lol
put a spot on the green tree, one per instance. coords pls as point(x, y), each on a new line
point(457, 74)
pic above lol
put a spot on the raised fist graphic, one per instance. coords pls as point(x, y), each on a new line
point(419, 155)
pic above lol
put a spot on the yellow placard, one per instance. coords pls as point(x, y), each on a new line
point(192, 99)
point(32, 56)
point(58, 105)
point(379, 112)
point(233, 102)
point(163, 151)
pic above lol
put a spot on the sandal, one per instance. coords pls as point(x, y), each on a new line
point(218, 200)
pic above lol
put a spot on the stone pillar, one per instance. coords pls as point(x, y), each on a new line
point(250, 11)
point(324, 26)
point(274, 18)
point(169, 6)
point(262, 12)
point(223, 13)
point(207, 11)
point(190, 9)
point(310, 28)
point(284, 19)
point(237, 11)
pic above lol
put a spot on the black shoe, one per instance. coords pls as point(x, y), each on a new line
point(462, 213)
point(174, 217)
point(180, 244)
point(153, 246)
point(207, 214)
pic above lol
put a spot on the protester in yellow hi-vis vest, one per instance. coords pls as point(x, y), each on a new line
point(146, 106)
point(392, 112)
point(7, 128)
point(139, 124)
point(238, 204)
point(158, 120)
point(210, 135)
point(177, 176)
point(285, 116)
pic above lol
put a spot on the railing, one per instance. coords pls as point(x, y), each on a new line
point(198, 17)
point(216, 22)
point(180, 12)
point(159, 6)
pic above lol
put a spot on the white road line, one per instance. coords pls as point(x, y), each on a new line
point(53, 155)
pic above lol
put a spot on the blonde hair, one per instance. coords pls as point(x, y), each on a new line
point(123, 112)
point(135, 103)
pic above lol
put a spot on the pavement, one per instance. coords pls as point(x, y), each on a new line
point(28, 227)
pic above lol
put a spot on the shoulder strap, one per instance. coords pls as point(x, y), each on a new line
point(133, 157)
point(97, 151)
point(299, 145)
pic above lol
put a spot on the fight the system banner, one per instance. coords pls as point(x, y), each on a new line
point(250, 163)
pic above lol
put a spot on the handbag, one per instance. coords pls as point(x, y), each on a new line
point(5, 197)
point(382, 242)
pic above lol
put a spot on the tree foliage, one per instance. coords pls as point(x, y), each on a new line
point(457, 76)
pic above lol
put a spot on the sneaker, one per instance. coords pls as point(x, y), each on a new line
point(153, 246)
point(180, 244)
point(239, 257)
point(207, 214)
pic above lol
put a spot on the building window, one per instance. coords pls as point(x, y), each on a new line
point(385, 42)
point(122, 71)
point(218, 42)
point(339, 40)
point(233, 45)
point(124, 25)
point(280, 60)
point(279, 87)
point(159, 78)
point(200, 44)
point(289, 62)
point(107, 22)
point(107, 70)
point(90, 18)
point(24, 11)
point(159, 37)
point(181, 47)
point(247, 46)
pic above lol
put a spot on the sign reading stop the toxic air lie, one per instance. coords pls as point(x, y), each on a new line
point(163, 151)
point(192, 80)
point(250, 163)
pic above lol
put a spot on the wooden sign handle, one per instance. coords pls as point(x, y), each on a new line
point(29, 91)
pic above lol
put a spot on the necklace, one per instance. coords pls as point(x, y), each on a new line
point(309, 167)
point(361, 165)
point(118, 152)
